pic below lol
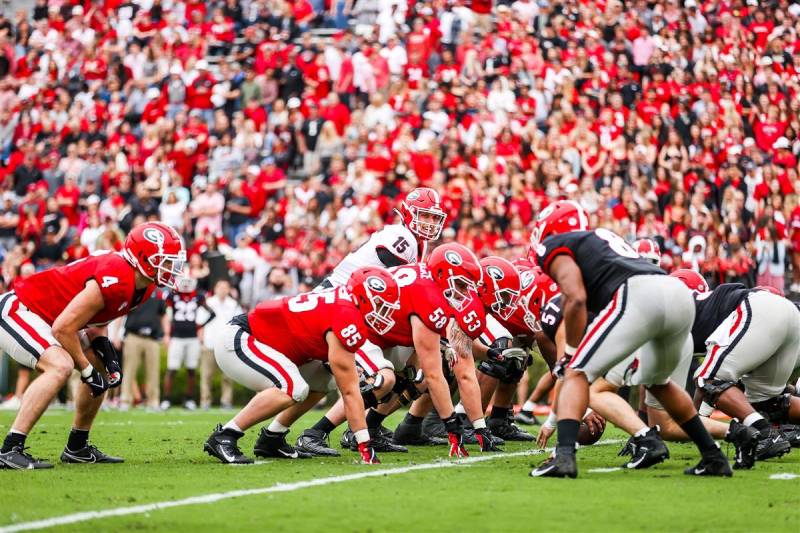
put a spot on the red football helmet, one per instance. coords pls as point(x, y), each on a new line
point(773, 290)
point(559, 217)
point(377, 295)
point(156, 251)
point(691, 279)
point(542, 291)
point(422, 214)
point(457, 271)
point(501, 287)
point(648, 249)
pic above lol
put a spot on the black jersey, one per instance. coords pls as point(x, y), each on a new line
point(605, 259)
point(551, 317)
point(712, 308)
point(184, 313)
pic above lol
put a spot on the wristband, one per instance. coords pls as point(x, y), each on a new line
point(552, 418)
point(86, 372)
point(479, 423)
point(362, 435)
point(570, 350)
point(588, 412)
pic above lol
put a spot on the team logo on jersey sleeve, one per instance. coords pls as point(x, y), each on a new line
point(495, 272)
point(376, 284)
point(453, 258)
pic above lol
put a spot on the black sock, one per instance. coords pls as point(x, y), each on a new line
point(324, 425)
point(13, 439)
point(697, 432)
point(499, 412)
point(412, 420)
point(761, 425)
point(643, 415)
point(77, 439)
point(568, 434)
point(374, 418)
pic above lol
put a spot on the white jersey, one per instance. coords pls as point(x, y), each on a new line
point(394, 238)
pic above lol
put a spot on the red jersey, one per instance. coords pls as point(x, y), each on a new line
point(296, 327)
point(49, 292)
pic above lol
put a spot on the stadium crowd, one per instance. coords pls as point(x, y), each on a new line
point(277, 135)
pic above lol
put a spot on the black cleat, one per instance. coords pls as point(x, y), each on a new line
point(526, 418)
point(377, 442)
point(792, 434)
point(771, 443)
point(223, 444)
point(18, 459)
point(385, 432)
point(315, 442)
point(559, 465)
point(745, 442)
point(649, 450)
point(713, 464)
point(506, 430)
point(412, 435)
point(271, 444)
point(629, 448)
point(348, 440)
point(88, 454)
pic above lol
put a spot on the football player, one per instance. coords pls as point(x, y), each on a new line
point(751, 339)
point(55, 321)
point(182, 336)
point(648, 249)
point(638, 307)
point(432, 294)
point(279, 348)
point(396, 244)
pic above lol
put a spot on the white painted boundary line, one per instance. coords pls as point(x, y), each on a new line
point(279, 487)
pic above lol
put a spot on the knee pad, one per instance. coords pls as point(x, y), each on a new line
point(516, 370)
point(775, 409)
point(713, 388)
point(493, 369)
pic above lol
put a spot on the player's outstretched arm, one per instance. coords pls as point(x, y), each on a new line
point(426, 344)
point(343, 367)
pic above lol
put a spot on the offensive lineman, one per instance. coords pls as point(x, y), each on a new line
point(55, 321)
point(637, 306)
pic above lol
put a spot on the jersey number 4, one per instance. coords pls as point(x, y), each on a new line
point(109, 281)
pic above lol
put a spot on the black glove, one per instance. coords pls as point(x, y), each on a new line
point(455, 434)
point(368, 391)
point(96, 381)
point(497, 348)
point(485, 440)
point(110, 358)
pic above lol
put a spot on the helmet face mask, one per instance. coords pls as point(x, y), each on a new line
point(380, 318)
point(376, 295)
point(168, 267)
point(459, 292)
point(530, 319)
point(505, 303)
point(185, 284)
point(427, 224)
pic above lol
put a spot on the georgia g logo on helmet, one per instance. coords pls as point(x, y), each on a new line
point(155, 236)
point(413, 195)
point(376, 284)
point(495, 272)
point(453, 258)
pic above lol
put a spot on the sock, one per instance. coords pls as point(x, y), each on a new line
point(77, 439)
point(642, 432)
point(277, 427)
point(374, 418)
point(756, 420)
point(642, 416)
point(528, 406)
point(324, 425)
point(14, 438)
point(697, 432)
point(233, 428)
point(460, 409)
point(567, 435)
point(500, 412)
point(412, 420)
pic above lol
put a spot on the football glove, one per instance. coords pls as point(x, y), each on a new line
point(368, 391)
point(96, 381)
point(368, 455)
point(485, 441)
point(455, 434)
point(110, 358)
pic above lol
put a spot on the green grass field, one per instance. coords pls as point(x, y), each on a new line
point(165, 462)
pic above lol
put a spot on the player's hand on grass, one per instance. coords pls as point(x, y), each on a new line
point(97, 382)
point(545, 432)
point(485, 440)
point(368, 455)
point(457, 448)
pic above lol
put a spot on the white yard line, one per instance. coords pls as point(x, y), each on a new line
point(784, 475)
point(279, 487)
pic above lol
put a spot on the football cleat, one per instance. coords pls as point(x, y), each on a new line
point(526, 418)
point(377, 442)
point(412, 435)
point(223, 444)
point(88, 454)
point(771, 443)
point(18, 459)
point(271, 444)
point(315, 442)
point(505, 429)
point(558, 465)
point(792, 434)
point(629, 448)
point(649, 450)
point(385, 432)
point(745, 442)
point(713, 464)
point(348, 440)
